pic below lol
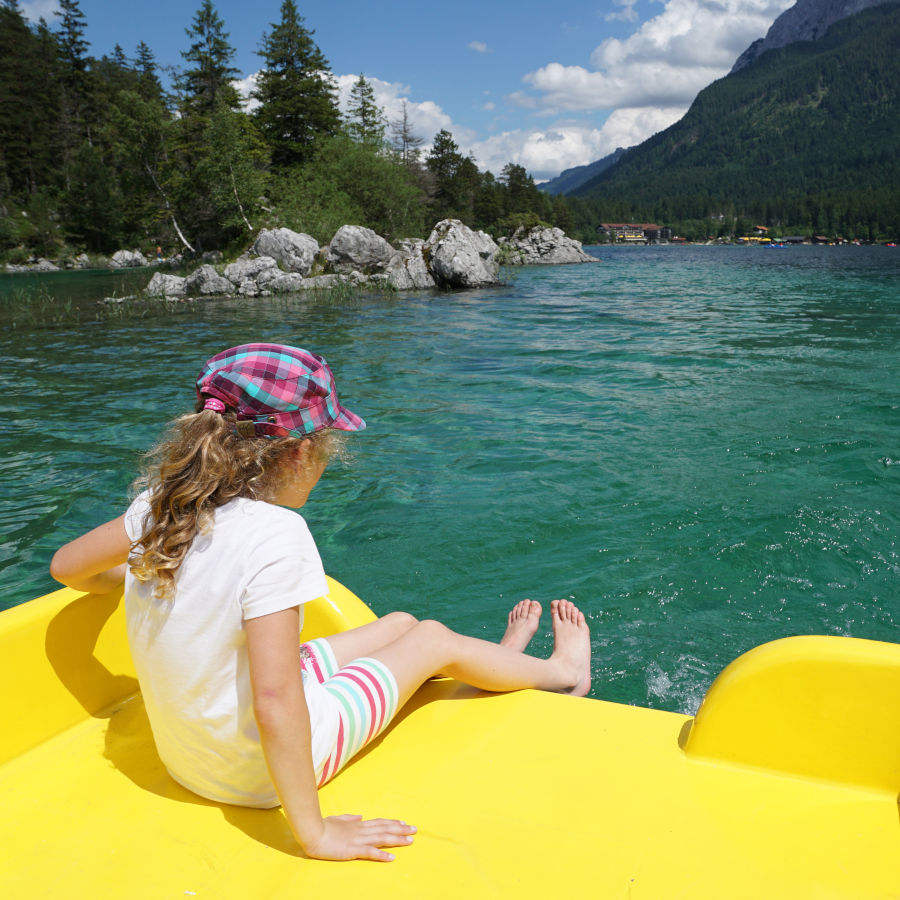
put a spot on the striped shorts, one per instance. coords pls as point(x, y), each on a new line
point(365, 694)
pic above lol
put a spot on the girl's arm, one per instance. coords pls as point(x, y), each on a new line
point(279, 704)
point(94, 562)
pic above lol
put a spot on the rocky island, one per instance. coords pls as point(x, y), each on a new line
point(453, 256)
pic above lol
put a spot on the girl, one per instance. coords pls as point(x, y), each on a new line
point(216, 573)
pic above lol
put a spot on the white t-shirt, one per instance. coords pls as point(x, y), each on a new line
point(190, 652)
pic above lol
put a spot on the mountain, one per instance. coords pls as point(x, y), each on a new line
point(806, 20)
point(804, 135)
point(572, 179)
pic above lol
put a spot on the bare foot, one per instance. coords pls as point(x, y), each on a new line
point(522, 624)
point(572, 645)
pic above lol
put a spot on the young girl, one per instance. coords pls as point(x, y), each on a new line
point(216, 573)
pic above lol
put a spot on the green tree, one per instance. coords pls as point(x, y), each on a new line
point(297, 96)
point(91, 206)
point(443, 162)
point(520, 195)
point(149, 86)
point(76, 118)
point(73, 47)
point(234, 175)
point(211, 72)
point(365, 119)
point(29, 105)
point(349, 182)
point(145, 137)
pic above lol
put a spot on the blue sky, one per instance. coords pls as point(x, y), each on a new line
point(526, 82)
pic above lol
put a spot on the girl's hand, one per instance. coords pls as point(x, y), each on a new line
point(349, 837)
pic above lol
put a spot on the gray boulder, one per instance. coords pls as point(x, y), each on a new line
point(323, 281)
point(543, 246)
point(292, 282)
point(407, 270)
point(459, 257)
point(354, 248)
point(44, 265)
point(163, 285)
point(293, 251)
point(206, 281)
point(127, 259)
point(250, 276)
point(287, 282)
point(82, 261)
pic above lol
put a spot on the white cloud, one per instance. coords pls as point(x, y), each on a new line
point(665, 62)
point(544, 153)
point(425, 116)
point(478, 46)
point(37, 9)
point(626, 13)
point(245, 87)
point(574, 88)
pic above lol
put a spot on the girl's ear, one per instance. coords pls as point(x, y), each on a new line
point(302, 452)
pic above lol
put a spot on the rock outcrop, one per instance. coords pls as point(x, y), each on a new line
point(407, 270)
point(543, 246)
point(458, 257)
point(806, 20)
point(251, 276)
point(163, 285)
point(294, 252)
point(207, 282)
point(33, 265)
point(454, 256)
point(127, 259)
point(357, 249)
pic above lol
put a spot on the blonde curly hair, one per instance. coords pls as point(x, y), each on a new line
point(200, 464)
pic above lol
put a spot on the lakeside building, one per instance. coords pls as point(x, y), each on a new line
point(633, 233)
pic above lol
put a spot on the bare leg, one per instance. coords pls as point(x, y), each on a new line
point(522, 623)
point(366, 639)
point(430, 647)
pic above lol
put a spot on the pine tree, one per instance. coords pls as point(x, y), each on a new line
point(405, 140)
point(212, 72)
point(365, 120)
point(443, 162)
point(73, 47)
point(144, 134)
point(29, 104)
point(76, 87)
point(17, 47)
point(149, 86)
point(297, 96)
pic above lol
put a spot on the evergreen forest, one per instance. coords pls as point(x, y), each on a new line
point(109, 153)
point(803, 141)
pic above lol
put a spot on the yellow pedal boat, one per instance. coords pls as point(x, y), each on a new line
point(785, 784)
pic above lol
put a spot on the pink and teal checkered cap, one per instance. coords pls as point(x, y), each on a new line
point(283, 390)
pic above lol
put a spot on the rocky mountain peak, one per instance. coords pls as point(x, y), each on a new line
point(806, 20)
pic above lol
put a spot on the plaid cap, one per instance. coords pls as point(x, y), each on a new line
point(283, 390)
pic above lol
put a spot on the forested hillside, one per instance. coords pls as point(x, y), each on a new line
point(805, 138)
point(570, 180)
point(98, 154)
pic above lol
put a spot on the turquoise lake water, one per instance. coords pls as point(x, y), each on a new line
point(699, 446)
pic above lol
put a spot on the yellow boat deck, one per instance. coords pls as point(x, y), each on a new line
point(785, 786)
